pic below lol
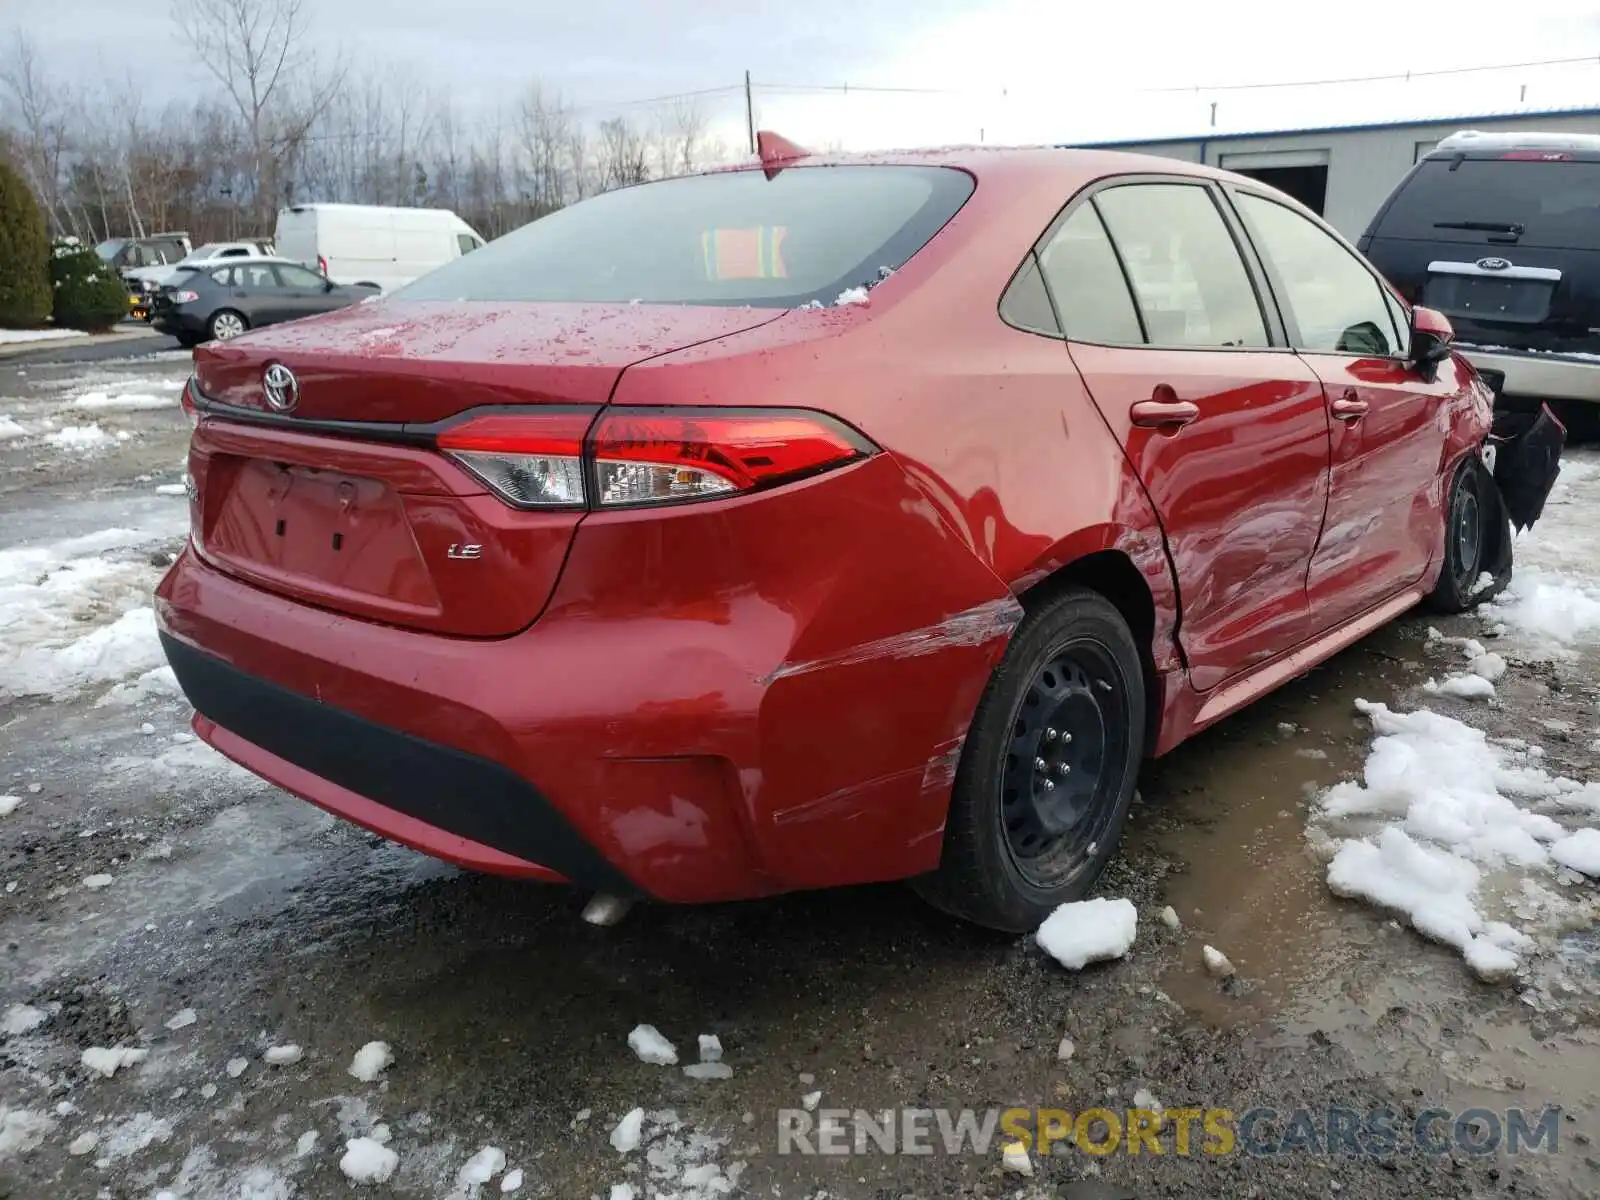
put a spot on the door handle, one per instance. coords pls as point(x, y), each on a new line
point(1350, 407)
point(1163, 414)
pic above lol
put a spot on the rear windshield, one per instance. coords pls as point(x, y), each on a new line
point(1555, 204)
point(736, 238)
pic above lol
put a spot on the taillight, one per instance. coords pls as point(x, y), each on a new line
point(185, 297)
point(186, 402)
point(554, 459)
point(532, 460)
point(654, 456)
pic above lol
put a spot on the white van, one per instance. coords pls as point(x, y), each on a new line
point(361, 243)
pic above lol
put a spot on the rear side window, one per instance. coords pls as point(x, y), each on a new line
point(1026, 305)
point(1191, 285)
point(735, 238)
point(1082, 272)
point(1337, 304)
point(1549, 204)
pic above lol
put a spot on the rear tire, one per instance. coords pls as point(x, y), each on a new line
point(225, 324)
point(1477, 542)
point(1048, 770)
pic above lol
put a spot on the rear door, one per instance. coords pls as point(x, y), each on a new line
point(264, 299)
point(304, 292)
point(1389, 424)
point(1222, 423)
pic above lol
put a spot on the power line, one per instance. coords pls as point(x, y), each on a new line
point(844, 88)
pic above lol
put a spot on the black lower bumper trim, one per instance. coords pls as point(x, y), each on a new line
point(447, 788)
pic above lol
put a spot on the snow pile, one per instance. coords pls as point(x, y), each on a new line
point(122, 402)
point(107, 1061)
point(159, 683)
point(75, 613)
point(283, 1056)
point(1442, 829)
point(646, 1041)
point(9, 429)
point(629, 1132)
point(22, 1130)
point(855, 295)
point(1484, 670)
point(480, 1168)
point(20, 1019)
point(368, 1161)
point(371, 1061)
point(1549, 607)
point(1462, 687)
point(1087, 931)
point(78, 438)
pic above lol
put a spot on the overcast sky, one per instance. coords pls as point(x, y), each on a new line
point(1013, 70)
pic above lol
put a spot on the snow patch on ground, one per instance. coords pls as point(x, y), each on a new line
point(122, 402)
point(22, 1130)
point(11, 429)
point(1554, 610)
point(1445, 827)
point(80, 439)
point(13, 337)
point(368, 1161)
point(1087, 931)
point(75, 614)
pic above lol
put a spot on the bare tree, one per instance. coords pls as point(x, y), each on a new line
point(622, 156)
point(41, 117)
point(257, 50)
point(687, 124)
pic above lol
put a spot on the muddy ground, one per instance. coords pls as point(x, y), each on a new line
point(508, 1016)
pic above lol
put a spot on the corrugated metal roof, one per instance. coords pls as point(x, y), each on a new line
point(1457, 121)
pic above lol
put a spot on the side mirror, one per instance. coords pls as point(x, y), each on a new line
point(1431, 336)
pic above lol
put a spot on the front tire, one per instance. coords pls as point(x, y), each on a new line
point(1477, 542)
point(1048, 770)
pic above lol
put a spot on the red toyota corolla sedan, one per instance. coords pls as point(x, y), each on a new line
point(825, 521)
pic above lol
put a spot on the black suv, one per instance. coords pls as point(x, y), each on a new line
point(1501, 232)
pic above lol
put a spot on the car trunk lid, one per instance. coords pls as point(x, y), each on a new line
point(342, 501)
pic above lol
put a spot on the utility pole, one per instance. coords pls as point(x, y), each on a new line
point(749, 112)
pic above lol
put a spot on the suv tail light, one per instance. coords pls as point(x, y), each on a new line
point(626, 457)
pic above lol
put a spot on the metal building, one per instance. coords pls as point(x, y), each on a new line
point(1344, 172)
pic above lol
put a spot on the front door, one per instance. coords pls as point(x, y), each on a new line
point(1384, 523)
point(1225, 428)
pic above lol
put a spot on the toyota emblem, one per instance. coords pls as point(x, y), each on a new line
point(283, 389)
point(1493, 264)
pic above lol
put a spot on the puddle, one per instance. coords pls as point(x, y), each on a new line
point(1232, 804)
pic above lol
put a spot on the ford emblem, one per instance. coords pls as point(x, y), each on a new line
point(1493, 264)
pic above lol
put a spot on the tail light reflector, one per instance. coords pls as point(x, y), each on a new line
point(554, 459)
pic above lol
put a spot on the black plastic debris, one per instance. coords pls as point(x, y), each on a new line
point(1527, 461)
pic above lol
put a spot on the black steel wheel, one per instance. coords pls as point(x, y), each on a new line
point(1048, 770)
point(1477, 541)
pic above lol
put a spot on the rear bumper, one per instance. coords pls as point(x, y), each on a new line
point(177, 321)
point(743, 728)
point(1541, 376)
point(405, 787)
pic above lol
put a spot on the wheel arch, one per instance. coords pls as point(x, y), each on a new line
point(1112, 573)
